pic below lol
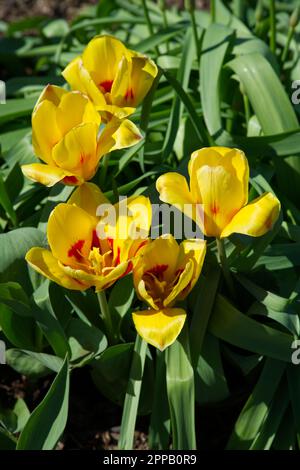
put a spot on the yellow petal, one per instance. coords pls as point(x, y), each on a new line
point(173, 189)
point(189, 262)
point(74, 109)
point(44, 262)
point(163, 251)
point(52, 93)
point(159, 328)
point(79, 79)
point(255, 219)
point(88, 197)
point(133, 80)
point(70, 233)
point(49, 175)
point(110, 111)
point(76, 152)
point(117, 135)
point(101, 58)
point(219, 181)
point(45, 131)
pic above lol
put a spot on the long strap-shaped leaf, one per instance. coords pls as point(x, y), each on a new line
point(48, 420)
point(133, 394)
point(181, 393)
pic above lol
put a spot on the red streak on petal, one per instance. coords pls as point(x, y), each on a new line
point(110, 241)
point(75, 250)
point(106, 85)
point(214, 209)
point(158, 270)
point(128, 270)
point(117, 262)
point(70, 180)
point(81, 158)
point(95, 240)
point(129, 94)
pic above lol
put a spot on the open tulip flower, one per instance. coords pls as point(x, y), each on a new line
point(115, 78)
point(65, 135)
point(164, 273)
point(219, 179)
point(78, 258)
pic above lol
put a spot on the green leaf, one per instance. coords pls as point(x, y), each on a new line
point(216, 43)
point(132, 397)
point(16, 108)
point(85, 341)
point(32, 364)
point(120, 300)
point(181, 394)
point(256, 408)
point(13, 248)
point(47, 422)
point(6, 203)
point(232, 326)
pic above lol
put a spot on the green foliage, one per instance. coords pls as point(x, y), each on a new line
point(234, 353)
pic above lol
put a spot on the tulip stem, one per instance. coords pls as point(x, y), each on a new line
point(272, 27)
point(149, 24)
point(225, 267)
point(105, 315)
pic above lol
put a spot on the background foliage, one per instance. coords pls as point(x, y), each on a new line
point(232, 88)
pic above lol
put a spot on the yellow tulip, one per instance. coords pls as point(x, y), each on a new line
point(164, 273)
point(219, 179)
point(78, 258)
point(115, 78)
point(66, 137)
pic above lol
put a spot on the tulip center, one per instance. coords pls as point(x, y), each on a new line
point(106, 86)
point(75, 250)
point(157, 286)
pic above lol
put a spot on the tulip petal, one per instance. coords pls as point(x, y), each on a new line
point(88, 197)
point(74, 109)
point(44, 262)
point(76, 152)
point(45, 131)
point(52, 93)
point(70, 233)
point(159, 328)
point(133, 80)
point(101, 58)
point(219, 181)
point(255, 219)
point(47, 174)
point(189, 263)
point(173, 189)
point(79, 79)
point(117, 135)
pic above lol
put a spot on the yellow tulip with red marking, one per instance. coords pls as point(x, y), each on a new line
point(78, 258)
point(164, 273)
point(219, 179)
point(66, 137)
point(115, 78)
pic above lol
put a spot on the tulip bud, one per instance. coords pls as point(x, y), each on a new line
point(294, 19)
point(189, 5)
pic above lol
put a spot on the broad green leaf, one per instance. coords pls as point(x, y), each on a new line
point(32, 364)
point(232, 326)
point(47, 422)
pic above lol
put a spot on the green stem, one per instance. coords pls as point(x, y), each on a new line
point(247, 108)
point(213, 10)
point(287, 44)
point(104, 169)
point(225, 267)
point(272, 27)
point(195, 33)
point(132, 397)
point(149, 24)
point(106, 317)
